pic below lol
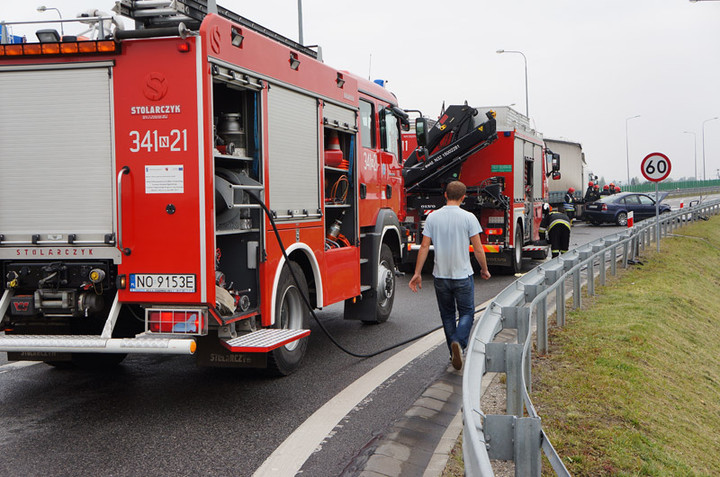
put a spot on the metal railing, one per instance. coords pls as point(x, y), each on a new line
point(518, 436)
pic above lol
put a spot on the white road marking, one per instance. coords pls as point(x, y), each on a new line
point(18, 365)
point(289, 457)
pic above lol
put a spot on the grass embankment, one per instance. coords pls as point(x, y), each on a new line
point(631, 385)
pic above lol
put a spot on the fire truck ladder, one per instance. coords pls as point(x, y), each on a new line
point(152, 14)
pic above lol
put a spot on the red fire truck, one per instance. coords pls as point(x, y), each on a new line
point(501, 160)
point(179, 188)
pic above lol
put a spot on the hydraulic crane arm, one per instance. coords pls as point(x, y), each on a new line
point(453, 139)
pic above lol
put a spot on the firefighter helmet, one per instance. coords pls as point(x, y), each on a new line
point(605, 187)
point(590, 184)
point(571, 190)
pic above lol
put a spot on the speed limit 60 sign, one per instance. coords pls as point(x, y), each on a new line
point(655, 167)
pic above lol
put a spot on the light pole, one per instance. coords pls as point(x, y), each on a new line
point(703, 141)
point(43, 8)
point(627, 147)
point(300, 23)
point(527, 108)
point(695, 139)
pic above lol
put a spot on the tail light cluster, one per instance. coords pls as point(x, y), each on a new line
point(604, 207)
point(495, 229)
point(172, 320)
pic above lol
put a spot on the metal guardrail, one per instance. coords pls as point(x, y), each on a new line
point(518, 435)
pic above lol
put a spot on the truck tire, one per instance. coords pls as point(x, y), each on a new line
point(621, 219)
point(516, 265)
point(291, 312)
point(385, 286)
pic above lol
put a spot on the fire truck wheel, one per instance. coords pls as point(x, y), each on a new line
point(385, 286)
point(291, 313)
point(517, 251)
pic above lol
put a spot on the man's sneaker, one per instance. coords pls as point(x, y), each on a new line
point(457, 359)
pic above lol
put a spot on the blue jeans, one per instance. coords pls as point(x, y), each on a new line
point(452, 294)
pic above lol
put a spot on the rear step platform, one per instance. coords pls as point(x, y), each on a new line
point(264, 340)
point(96, 344)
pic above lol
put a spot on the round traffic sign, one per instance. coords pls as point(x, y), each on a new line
point(655, 167)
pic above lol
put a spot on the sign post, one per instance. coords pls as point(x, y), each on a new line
point(656, 168)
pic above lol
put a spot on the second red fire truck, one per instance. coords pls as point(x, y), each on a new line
point(504, 164)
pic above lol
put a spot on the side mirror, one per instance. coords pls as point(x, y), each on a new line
point(402, 116)
point(556, 176)
point(421, 132)
point(556, 163)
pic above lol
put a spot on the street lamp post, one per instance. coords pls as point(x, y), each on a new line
point(43, 8)
point(300, 23)
point(695, 142)
point(527, 107)
point(703, 141)
point(627, 147)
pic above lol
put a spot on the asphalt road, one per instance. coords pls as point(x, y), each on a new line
point(165, 416)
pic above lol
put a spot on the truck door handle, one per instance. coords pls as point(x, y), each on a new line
point(124, 171)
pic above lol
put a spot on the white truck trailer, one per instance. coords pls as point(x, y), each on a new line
point(573, 170)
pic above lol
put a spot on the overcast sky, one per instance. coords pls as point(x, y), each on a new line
point(591, 65)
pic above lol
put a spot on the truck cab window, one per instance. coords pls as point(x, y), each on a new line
point(391, 133)
point(367, 125)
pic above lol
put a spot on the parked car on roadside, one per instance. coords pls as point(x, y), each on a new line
point(614, 208)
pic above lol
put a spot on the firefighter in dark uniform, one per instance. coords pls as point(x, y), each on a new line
point(556, 226)
point(605, 191)
point(569, 203)
point(590, 193)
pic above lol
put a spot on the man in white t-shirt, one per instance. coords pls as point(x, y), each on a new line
point(451, 230)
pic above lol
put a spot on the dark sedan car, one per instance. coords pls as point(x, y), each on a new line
point(614, 208)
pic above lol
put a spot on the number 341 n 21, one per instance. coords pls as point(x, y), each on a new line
point(154, 141)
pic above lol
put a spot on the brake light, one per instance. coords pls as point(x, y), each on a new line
point(175, 321)
point(604, 207)
point(493, 231)
point(64, 48)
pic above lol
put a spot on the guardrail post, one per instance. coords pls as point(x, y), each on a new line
point(518, 318)
point(507, 358)
point(542, 327)
point(613, 260)
point(568, 264)
point(634, 252)
point(516, 439)
point(528, 442)
point(551, 277)
point(499, 433)
point(560, 304)
point(625, 254)
point(601, 261)
point(584, 255)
